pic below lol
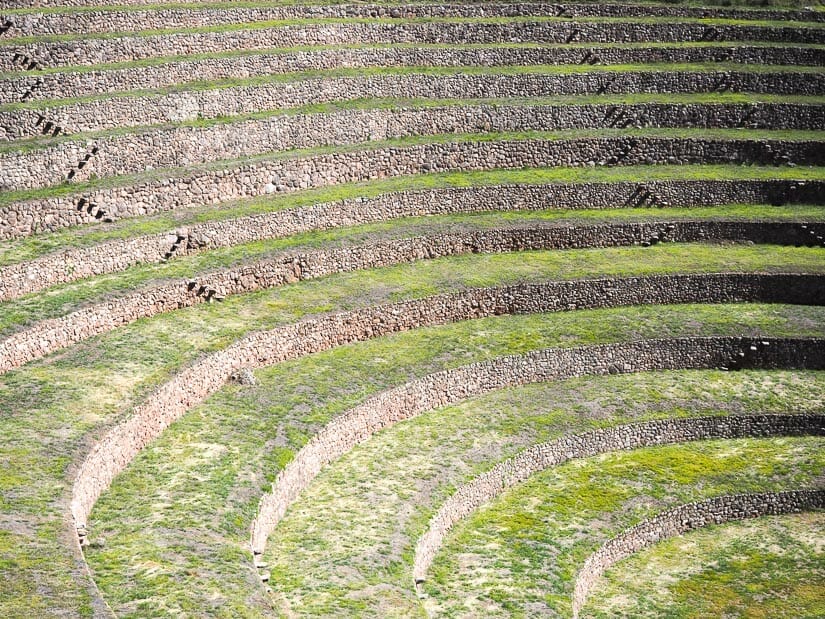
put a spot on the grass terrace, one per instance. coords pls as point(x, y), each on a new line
point(170, 536)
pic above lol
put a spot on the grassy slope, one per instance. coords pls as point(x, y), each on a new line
point(522, 552)
point(753, 569)
point(333, 555)
point(450, 272)
point(54, 407)
point(185, 555)
point(85, 236)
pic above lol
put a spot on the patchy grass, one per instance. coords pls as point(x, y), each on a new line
point(127, 180)
point(520, 555)
point(429, 277)
point(201, 480)
point(769, 567)
point(84, 236)
point(54, 409)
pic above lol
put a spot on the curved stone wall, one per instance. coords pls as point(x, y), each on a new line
point(168, 147)
point(70, 265)
point(91, 51)
point(684, 518)
point(246, 180)
point(50, 335)
point(39, 86)
point(129, 111)
point(450, 386)
point(109, 19)
point(508, 473)
point(113, 20)
point(205, 376)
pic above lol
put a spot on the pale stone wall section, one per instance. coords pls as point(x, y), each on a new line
point(188, 105)
point(93, 51)
point(112, 20)
point(67, 84)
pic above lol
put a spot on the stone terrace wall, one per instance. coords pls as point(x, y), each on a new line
point(32, 276)
point(451, 386)
point(91, 51)
point(134, 153)
point(204, 377)
point(469, 497)
point(685, 518)
point(128, 111)
point(108, 20)
point(33, 24)
point(201, 187)
point(50, 335)
point(38, 86)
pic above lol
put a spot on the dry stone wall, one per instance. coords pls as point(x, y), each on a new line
point(204, 377)
point(673, 522)
point(170, 147)
point(70, 265)
point(451, 386)
point(92, 51)
point(157, 17)
point(50, 335)
point(128, 111)
point(286, 174)
point(33, 24)
point(469, 497)
point(34, 86)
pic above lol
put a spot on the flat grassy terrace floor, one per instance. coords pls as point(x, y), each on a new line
point(443, 273)
point(346, 546)
point(756, 569)
point(520, 554)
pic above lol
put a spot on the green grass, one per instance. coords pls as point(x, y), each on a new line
point(53, 409)
point(68, 188)
point(262, 80)
point(451, 272)
point(259, 25)
point(85, 236)
point(30, 144)
point(755, 569)
point(523, 551)
point(325, 562)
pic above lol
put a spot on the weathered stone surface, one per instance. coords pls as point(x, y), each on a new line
point(157, 18)
point(171, 147)
point(124, 111)
point(245, 180)
point(68, 84)
point(91, 51)
point(686, 517)
point(196, 382)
